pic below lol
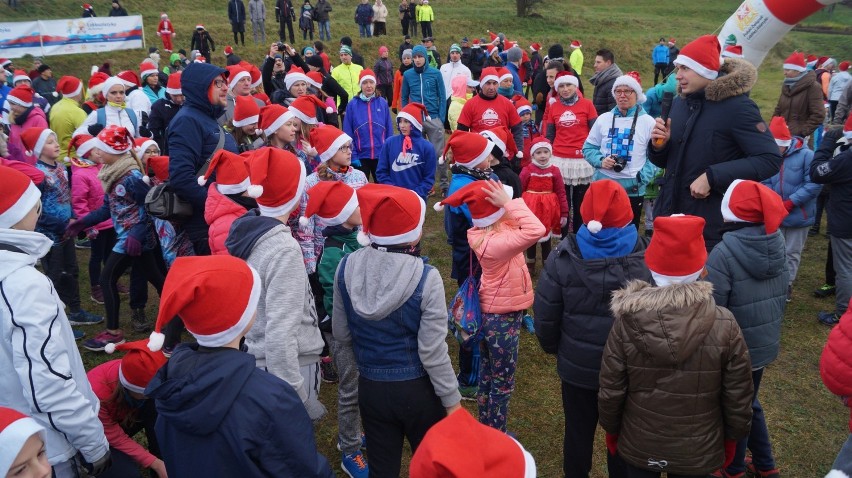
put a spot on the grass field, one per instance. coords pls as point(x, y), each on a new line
point(807, 424)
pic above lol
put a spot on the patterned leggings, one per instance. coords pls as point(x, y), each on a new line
point(501, 333)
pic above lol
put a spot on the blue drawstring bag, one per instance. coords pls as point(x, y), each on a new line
point(465, 312)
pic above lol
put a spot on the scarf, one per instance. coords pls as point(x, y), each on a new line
point(111, 173)
point(406, 143)
point(410, 250)
point(366, 98)
point(479, 174)
point(608, 242)
point(542, 166)
point(19, 119)
point(600, 78)
point(507, 92)
point(791, 82)
point(82, 162)
point(569, 101)
point(120, 106)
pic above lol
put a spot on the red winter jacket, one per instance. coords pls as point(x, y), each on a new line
point(220, 212)
point(835, 365)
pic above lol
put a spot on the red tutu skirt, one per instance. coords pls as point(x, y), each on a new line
point(545, 206)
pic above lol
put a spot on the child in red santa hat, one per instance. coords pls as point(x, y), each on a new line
point(227, 198)
point(544, 194)
point(23, 446)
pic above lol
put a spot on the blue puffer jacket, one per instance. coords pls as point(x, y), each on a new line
point(369, 124)
point(425, 86)
point(794, 183)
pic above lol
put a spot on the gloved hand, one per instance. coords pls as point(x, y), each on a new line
point(730, 449)
point(563, 221)
point(612, 443)
point(788, 205)
point(74, 229)
point(95, 129)
point(100, 465)
point(316, 410)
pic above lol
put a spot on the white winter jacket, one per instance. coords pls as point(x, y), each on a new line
point(41, 373)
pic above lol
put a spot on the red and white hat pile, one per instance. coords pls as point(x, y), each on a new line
point(159, 166)
point(333, 202)
point(15, 429)
point(273, 117)
point(630, 80)
point(390, 215)
point(750, 201)
point(82, 144)
point(605, 205)
point(676, 254)
point(576, 44)
point(235, 74)
point(701, 55)
point(246, 111)
point(21, 96)
point(69, 86)
point(565, 78)
point(232, 174)
point(522, 105)
point(444, 451)
point(795, 62)
point(328, 140)
point(468, 149)
point(114, 139)
point(482, 212)
point(366, 75)
point(21, 75)
point(277, 181)
point(147, 68)
point(489, 74)
point(19, 197)
point(34, 139)
point(733, 51)
point(305, 108)
point(780, 131)
point(216, 296)
point(415, 113)
point(142, 144)
point(295, 74)
point(138, 366)
point(173, 86)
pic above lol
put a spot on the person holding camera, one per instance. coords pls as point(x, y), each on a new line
point(617, 144)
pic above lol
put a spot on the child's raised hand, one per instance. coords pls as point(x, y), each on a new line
point(495, 193)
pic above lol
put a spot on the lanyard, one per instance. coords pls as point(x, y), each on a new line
point(612, 130)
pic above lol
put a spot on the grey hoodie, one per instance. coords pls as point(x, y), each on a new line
point(379, 283)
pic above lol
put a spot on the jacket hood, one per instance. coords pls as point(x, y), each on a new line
point(219, 205)
point(343, 234)
point(796, 145)
point(247, 231)
point(197, 388)
point(762, 255)
point(380, 282)
point(602, 273)
point(736, 77)
point(668, 323)
point(805, 82)
point(195, 81)
point(459, 86)
point(33, 244)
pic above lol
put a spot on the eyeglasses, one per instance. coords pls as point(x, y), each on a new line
point(624, 92)
point(346, 147)
point(218, 83)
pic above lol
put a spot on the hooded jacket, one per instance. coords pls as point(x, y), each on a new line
point(192, 137)
point(426, 86)
point(285, 335)
point(835, 364)
point(163, 112)
point(414, 170)
point(802, 105)
point(718, 131)
point(793, 182)
point(42, 374)
point(572, 314)
point(87, 192)
point(689, 377)
point(339, 242)
point(220, 213)
point(220, 416)
point(832, 165)
point(35, 119)
point(748, 270)
point(369, 124)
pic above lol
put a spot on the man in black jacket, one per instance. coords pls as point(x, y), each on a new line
point(285, 16)
point(714, 135)
point(237, 17)
point(163, 110)
point(606, 71)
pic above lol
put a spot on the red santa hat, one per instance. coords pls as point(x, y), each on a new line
point(114, 139)
point(328, 140)
point(489, 74)
point(491, 35)
point(535, 46)
point(20, 75)
point(21, 96)
point(19, 196)
point(522, 105)
point(96, 82)
point(733, 51)
point(216, 296)
point(273, 117)
point(843, 66)
point(508, 45)
point(235, 74)
point(315, 79)
point(565, 77)
point(483, 213)
point(159, 167)
point(305, 108)
point(142, 144)
point(702, 55)
point(295, 74)
point(15, 429)
point(232, 174)
point(399, 214)
point(199, 27)
point(576, 44)
point(256, 78)
point(138, 366)
point(750, 201)
point(4, 62)
point(246, 111)
point(780, 131)
point(147, 68)
point(632, 81)
point(82, 144)
point(200, 59)
point(672, 40)
point(277, 181)
point(536, 143)
point(605, 205)
point(500, 136)
point(504, 73)
point(173, 86)
point(164, 15)
point(366, 74)
point(795, 62)
point(468, 149)
point(34, 139)
point(333, 202)
point(69, 86)
point(228, 50)
point(444, 451)
point(262, 97)
point(127, 78)
point(676, 254)
point(415, 113)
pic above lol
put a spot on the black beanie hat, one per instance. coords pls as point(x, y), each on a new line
point(555, 51)
point(346, 41)
point(314, 61)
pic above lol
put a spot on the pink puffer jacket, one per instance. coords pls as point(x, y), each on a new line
point(36, 119)
point(506, 285)
point(87, 192)
point(220, 212)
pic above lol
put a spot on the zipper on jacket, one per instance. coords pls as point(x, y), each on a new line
point(370, 130)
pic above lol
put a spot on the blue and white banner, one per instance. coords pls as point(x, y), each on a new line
point(19, 39)
point(69, 36)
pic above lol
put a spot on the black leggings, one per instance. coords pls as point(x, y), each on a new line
point(115, 266)
point(545, 251)
point(368, 167)
point(575, 198)
point(101, 247)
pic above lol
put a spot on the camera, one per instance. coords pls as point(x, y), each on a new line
point(620, 163)
point(281, 48)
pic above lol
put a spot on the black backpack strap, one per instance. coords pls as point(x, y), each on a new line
point(202, 171)
point(10, 248)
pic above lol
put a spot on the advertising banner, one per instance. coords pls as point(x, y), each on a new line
point(69, 36)
point(19, 39)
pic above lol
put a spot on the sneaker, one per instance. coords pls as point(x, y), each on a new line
point(327, 370)
point(83, 244)
point(824, 291)
point(828, 318)
point(84, 318)
point(355, 465)
point(98, 342)
point(468, 392)
point(78, 334)
point(790, 293)
point(97, 295)
point(529, 324)
point(139, 321)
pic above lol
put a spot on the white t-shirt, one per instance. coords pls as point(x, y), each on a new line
point(616, 142)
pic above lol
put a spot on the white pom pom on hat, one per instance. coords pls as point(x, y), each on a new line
point(147, 180)
point(594, 227)
point(254, 191)
point(329, 109)
point(304, 222)
point(364, 239)
point(109, 348)
point(155, 341)
point(202, 180)
point(438, 206)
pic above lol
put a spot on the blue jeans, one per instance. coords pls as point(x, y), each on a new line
point(364, 30)
point(325, 29)
point(758, 438)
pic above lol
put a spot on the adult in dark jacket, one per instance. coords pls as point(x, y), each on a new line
point(117, 10)
point(715, 135)
point(321, 16)
point(203, 42)
point(237, 17)
point(330, 86)
point(192, 138)
point(162, 113)
point(285, 16)
point(573, 318)
point(801, 102)
point(606, 71)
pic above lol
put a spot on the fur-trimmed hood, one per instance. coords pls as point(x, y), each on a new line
point(736, 77)
point(666, 323)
